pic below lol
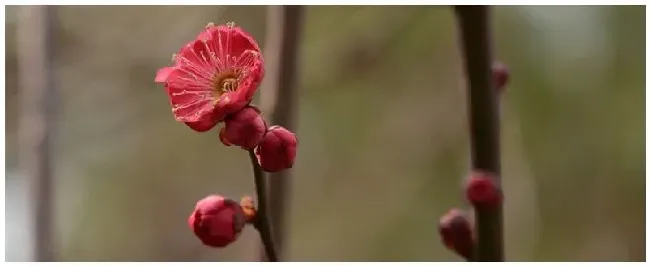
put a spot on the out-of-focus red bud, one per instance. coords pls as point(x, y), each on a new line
point(277, 151)
point(217, 221)
point(456, 232)
point(500, 75)
point(482, 191)
point(245, 128)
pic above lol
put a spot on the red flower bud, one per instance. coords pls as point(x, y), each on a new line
point(456, 232)
point(217, 221)
point(482, 191)
point(500, 75)
point(277, 151)
point(245, 128)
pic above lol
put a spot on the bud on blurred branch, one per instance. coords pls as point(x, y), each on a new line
point(474, 26)
point(456, 232)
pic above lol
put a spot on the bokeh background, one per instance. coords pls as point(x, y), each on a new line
point(383, 135)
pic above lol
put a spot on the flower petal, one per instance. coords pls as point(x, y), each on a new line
point(202, 125)
point(190, 102)
point(254, 73)
point(242, 41)
point(195, 57)
point(226, 105)
point(191, 107)
point(229, 103)
point(207, 32)
point(231, 41)
point(162, 74)
point(184, 79)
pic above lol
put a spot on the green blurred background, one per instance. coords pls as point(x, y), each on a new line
point(382, 127)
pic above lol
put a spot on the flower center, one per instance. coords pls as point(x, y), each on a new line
point(226, 81)
point(229, 84)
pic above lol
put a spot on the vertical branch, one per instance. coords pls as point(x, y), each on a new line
point(474, 28)
point(279, 98)
point(36, 119)
point(262, 220)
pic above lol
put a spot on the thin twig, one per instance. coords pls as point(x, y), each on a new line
point(38, 103)
point(474, 27)
point(262, 218)
point(279, 99)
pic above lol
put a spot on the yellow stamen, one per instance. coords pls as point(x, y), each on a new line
point(229, 84)
point(226, 81)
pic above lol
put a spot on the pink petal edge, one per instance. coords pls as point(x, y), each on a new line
point(163, 74)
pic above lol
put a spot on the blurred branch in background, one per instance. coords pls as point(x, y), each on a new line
point(474, 26)
point(279, 98)
point(38, 105)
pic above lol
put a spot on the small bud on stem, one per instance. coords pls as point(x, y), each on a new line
point(457, 234)
point(245, 129)
point(481, 190)
point(217, 221)
point(500, 76)
point(277, 150)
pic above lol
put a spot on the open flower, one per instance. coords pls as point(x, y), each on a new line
point(214, 75)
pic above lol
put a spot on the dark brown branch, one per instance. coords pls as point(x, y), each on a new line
point(36, 123)
point(280, 100)
point(261, 222)
point(475, 33)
